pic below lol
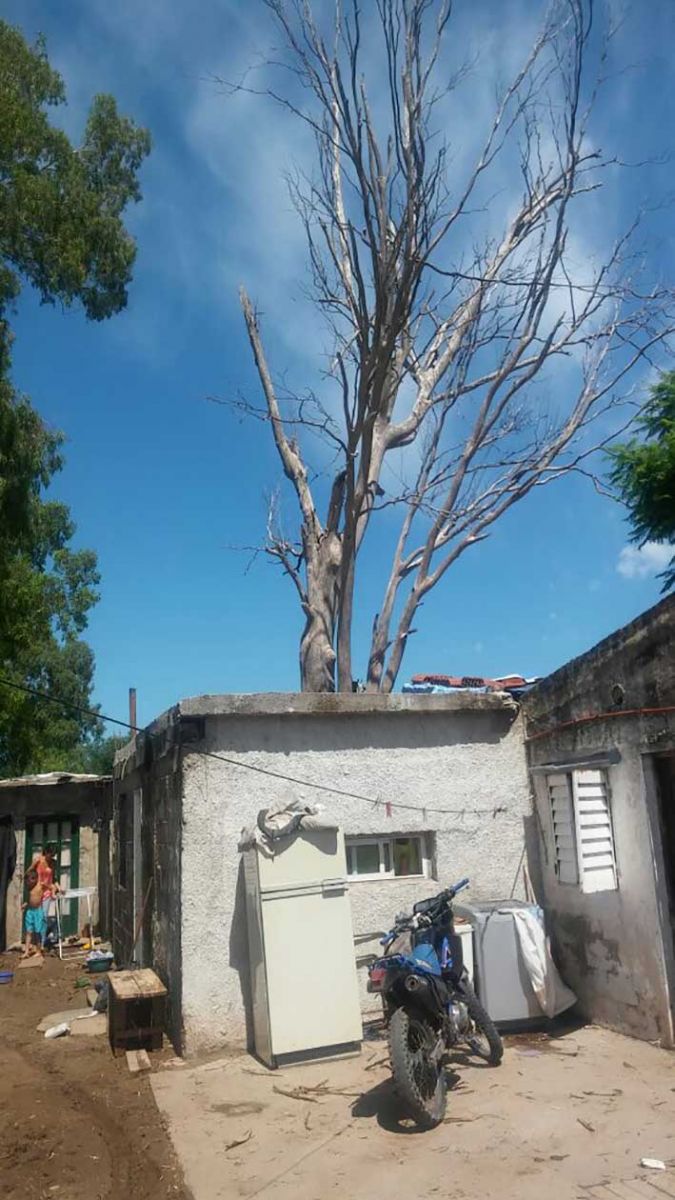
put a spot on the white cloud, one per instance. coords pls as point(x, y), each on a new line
point(236, 223)
point(639, 562)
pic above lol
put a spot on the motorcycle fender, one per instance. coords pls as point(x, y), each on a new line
point(425, 1002)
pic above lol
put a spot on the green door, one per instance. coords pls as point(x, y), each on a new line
point(64, 834)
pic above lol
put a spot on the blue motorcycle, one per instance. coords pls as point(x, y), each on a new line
point(429, 1005)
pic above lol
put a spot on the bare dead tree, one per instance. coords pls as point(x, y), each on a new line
point(442, 347)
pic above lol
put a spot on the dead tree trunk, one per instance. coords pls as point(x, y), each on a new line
point(317, 653)
point(441, 341)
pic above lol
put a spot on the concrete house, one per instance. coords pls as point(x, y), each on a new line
point(577, 780)
point(432, 788)
point(72, 812)
point(600, 737)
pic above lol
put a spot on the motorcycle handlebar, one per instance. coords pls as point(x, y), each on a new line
point(450, 893)
point(404, 922)
point(458, 887)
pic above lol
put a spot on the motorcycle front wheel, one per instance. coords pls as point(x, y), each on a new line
point(420, 1081)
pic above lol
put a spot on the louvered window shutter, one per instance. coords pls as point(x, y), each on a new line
point(594, 836)
point(564, 836)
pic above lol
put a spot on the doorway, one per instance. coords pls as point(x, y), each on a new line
point(138, 950)
point(64, 834)
point(664, 768)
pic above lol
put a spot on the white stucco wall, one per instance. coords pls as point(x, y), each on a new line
point(450, 759)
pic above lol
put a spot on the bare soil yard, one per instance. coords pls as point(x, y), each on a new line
point(567, 1118)
point(75, 1124)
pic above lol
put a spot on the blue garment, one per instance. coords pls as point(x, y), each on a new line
point(36, 922)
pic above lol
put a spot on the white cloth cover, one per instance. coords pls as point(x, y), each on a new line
point(553, 995)
point(277, 817)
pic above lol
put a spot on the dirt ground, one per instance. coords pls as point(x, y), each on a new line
point(567, 1118)
point(75, 1124)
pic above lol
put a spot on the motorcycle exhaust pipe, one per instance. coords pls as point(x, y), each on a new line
point(414, 984)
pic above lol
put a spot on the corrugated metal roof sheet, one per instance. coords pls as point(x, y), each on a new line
point(51, 778)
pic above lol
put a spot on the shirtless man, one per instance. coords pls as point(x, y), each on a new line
point(36, 924)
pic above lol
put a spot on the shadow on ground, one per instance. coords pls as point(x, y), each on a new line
point(384, 1104)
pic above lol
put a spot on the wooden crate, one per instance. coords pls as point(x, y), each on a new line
point(136, 1002)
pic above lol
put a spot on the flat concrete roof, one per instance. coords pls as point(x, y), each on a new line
point(342, 704)
point(319, 704)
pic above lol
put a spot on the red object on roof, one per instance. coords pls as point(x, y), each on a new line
point(464, 681)
point(439, 680)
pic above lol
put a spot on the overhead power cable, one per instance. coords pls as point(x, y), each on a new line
point(234, 762)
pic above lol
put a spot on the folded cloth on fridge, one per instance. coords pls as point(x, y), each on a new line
point(282, 820)
point(553, 995)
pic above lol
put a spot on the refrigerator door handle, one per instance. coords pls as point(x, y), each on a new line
point(323, 887)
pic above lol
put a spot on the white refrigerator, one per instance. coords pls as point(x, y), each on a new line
point(301, 948)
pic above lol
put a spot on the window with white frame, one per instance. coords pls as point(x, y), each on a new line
point(583, 839)
point(391, 857)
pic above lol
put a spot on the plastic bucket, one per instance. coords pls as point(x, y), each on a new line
point(96, 965)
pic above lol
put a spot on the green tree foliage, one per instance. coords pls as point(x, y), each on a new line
point(61, 206)
point(98, 756)
point(643, 472)
point(62, 232)
point(46, 592)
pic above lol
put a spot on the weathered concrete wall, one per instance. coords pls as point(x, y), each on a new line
point(122, 909)
point(151, 766)
point(90, 803)
point(425, 751)
point(614, 948)
point(105, 878)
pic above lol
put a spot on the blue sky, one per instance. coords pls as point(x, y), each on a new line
point(163, 483)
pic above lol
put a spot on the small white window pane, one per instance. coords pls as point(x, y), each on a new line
point(367, 856)
point(64, 880)
point(593, 860)
point(593, 820)
point(65, 831)
point(407, 856)
point(591, 807)
point(52, 831)
point(37, 833)
point(65, 908)
point(65, 856)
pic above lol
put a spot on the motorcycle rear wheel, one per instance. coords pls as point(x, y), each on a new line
point(486, 1042)
point(420, 1082)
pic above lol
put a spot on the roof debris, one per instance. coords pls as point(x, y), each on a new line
point(514, 684)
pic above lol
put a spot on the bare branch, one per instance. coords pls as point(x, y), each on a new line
point(467, 371)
